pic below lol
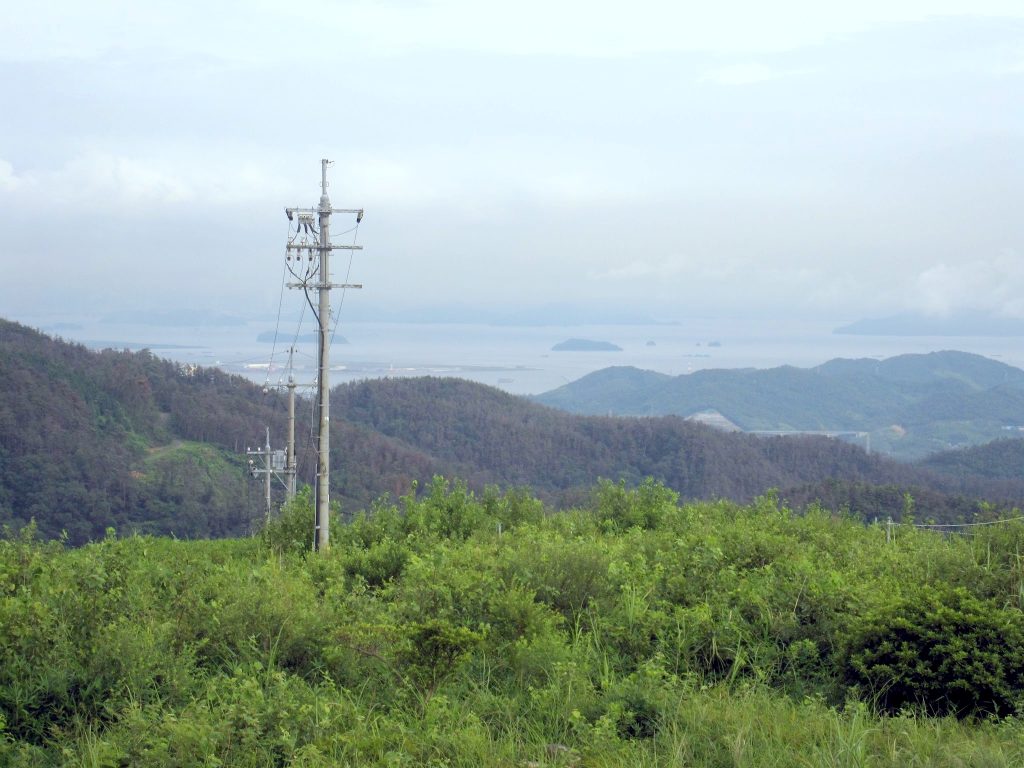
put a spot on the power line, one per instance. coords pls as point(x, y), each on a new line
point(964, 525)
point(344, 290)
point(277, 326)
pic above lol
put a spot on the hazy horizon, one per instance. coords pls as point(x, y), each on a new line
point(790, 162)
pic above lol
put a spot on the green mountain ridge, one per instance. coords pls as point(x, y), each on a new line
point(911, 404)
point(90, 440)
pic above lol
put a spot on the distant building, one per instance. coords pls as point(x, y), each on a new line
point(714, 419)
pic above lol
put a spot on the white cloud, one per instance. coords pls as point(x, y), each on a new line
point(96, 180)
point(746, 73)
point(101, 180)
point(993, 285)
point(639, 270)
point(261, 32)
point(9, 180)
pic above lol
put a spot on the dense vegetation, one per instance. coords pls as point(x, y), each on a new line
point(487, 436)
point(114, 438)
point(462, 630)
point(998, 460)
point(911, 404)
point(76, 429)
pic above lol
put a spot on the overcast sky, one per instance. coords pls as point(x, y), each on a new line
point(675, 159)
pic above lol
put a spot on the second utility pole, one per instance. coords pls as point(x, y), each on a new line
point(322, 536)
point(290, 446)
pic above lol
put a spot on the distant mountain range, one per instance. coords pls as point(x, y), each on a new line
point(268, 337)
point(585, 345)
point(117, 438)
point(959, 324)
point(911, 405)
point(186, 318)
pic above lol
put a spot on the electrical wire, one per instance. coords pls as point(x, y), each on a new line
point(277, 325)
point(298, 327)
point(344, 290)
point(308, 445)
point(221, 363)
point(942, 526)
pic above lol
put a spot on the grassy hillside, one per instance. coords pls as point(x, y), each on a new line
point(911, 404)
point(630, 632)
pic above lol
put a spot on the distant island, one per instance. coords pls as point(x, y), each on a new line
point(268, 337)
point(184, 318)
point(585, 345)
point(134, 345)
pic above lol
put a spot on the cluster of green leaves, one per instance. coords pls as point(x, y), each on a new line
point(464, 629)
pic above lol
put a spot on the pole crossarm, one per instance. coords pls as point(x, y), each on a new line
point(315, 247)
point(357, 211)
point(325, 285)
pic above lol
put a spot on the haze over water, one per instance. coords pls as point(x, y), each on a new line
point(517, 359)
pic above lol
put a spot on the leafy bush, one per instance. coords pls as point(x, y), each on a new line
point(622, 508)
point(942, 650)
point(434, 650)
point(381, 562)
point(292, 529)
point(516, 506)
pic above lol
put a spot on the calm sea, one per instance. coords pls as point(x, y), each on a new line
point(516, 359)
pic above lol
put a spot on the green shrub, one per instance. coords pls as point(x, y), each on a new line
point(434, 649)
point(515, 507)
point(942, 650)
point(638, 703)
point(645, 506)
point(378, 564)
point(292, 529)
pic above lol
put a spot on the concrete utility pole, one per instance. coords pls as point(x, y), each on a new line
point(266, 470)
point(287, 464)
point(290, 455)
point(277, 463)
point(290, 469)
point(322, 275)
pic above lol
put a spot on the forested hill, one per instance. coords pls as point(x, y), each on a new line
point(911, 404)
point(96, 439)
point(488, 436)
point(998, 460)
point(114, 438)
